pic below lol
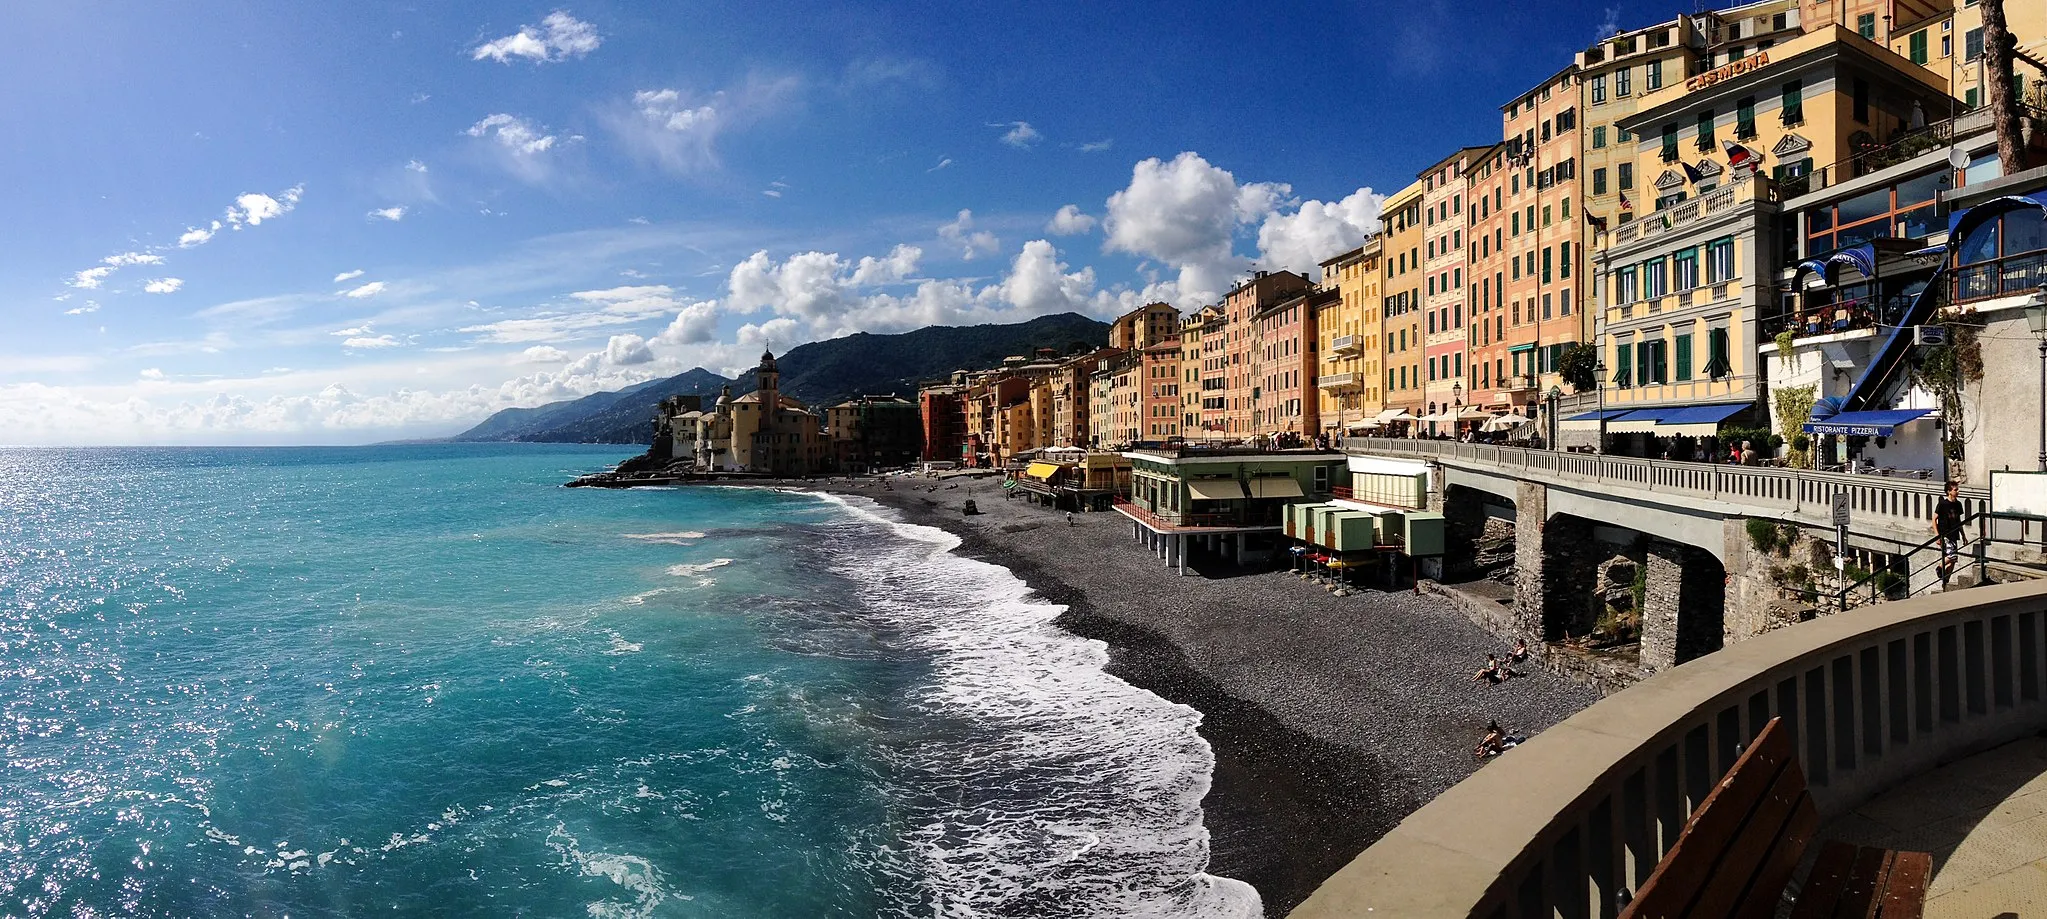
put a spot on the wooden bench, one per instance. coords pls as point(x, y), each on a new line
point(1738, 851)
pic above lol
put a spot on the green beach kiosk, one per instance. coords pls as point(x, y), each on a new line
point(1223, 504)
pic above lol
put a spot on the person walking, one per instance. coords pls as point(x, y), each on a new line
point(1947, 526)
point(1069, 518)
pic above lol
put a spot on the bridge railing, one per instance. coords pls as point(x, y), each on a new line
point(1901, 503)
point(1561, 825)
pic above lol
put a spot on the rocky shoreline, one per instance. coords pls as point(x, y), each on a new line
point(1331, 718)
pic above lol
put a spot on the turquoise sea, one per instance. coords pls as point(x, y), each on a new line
point(427, 680)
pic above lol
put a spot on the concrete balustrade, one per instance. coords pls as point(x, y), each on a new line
point(1899, 504)
point(1559, 826)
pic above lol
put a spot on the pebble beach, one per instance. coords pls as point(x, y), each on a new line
point(1331, 718)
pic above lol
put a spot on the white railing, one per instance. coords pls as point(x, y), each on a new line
point(1895, 503)
point(1336, 380)
point(1343, 344)
point(1562, 825)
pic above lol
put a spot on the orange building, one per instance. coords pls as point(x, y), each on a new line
point(1240, 369)
point(1160, 390)
point(1284, 401)
point(1544, 241)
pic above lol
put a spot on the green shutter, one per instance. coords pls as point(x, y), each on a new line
point(1918, 46)
point(1564, 259)
point(1623, 356)
point(1684, 357)
point(1642, 367)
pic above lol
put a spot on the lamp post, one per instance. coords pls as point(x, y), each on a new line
point(2036, 319)
point(1456, 406)
point(1556, 396)
point(1599, 383)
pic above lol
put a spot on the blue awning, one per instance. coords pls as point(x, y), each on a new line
point(1867, 424)
point(1610, 413)
point(1701, 414)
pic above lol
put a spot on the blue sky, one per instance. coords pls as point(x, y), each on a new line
point(275, 223)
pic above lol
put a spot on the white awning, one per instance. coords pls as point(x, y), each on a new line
point(1473, 413)
point(1631, 426)
point(1393, 414)
point(1278, 486)
point(1436, 418)
point(1215, 489)
point(1387, 466)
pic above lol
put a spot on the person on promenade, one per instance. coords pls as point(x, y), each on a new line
point(1734, 454)
point(1947, 525)
point(1749, 456)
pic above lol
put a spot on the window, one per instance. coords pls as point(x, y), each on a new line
point(1720, 260)
point(1794, 107)
point(1621, 135)
point(1620, 81)
point(1599, 137)
point(1717, 365)
point(1706, 130)
point(1564, 209)
point(1685, 265)
point(2004, 255)
point(1623, 359)
point(1564, 299)
point(1745, 118)
point(1670, 142)
point(1736, 53)
point(1564, 260)
point(1546, 219)
point(1682, 372)
point(1865, 26)
point(1625, 173)
point(1624, 286)
point(1515, 222)
point(1861, 92)
point(1916, 47)
point(1947, 44)
point(1652, 75)
point(1972, 44)
point(1654, 279)
point(1545, 266)
point(1599, 181)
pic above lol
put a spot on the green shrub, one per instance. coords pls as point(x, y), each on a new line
point(1762, 534)
point(1787, 537)
point(1801, 442)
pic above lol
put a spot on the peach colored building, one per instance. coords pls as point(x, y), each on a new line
point(1287, 354)
point(1240, 368)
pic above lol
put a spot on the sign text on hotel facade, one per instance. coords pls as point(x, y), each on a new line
point(1728, 71)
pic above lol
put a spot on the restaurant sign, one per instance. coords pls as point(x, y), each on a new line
point(1852, 430)
point(1728, 71)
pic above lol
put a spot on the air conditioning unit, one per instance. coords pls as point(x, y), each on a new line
point(1931, 335)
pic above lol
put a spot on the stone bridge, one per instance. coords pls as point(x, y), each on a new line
point(1687, 524)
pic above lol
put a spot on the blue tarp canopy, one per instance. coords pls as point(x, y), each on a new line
point(1687, 420)
point(1608, 413)
point(1867, 424)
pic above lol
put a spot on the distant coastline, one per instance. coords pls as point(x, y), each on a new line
point(1330, 718)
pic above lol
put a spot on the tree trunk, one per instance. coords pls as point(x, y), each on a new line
point(1999, 48)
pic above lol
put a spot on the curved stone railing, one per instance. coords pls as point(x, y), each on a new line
point(1560, 825)
point(1901, 503)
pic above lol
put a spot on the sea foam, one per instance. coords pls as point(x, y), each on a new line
point(1062, 784)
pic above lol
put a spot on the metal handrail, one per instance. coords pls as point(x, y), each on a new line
point(1975, 543)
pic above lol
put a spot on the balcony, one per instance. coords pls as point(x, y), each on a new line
point(1516, 384)
point(1683, 214)
point(1345, 344)
point(1338, 381)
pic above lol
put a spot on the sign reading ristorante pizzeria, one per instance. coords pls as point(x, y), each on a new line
point(1728, 71)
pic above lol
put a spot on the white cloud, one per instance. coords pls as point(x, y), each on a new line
point(1097, 146)
point(544, 354)
point(1185, 213)
point(900, 263)
point(513, 133)
point(1300, 241)
point(772, 192)
point(960, 232)
point(91, 278)
point(1020, 134)
point(594, 310)
point(348, 276)
point(626, 350)
point(132, 258)
point(89, 307)
point(368, 342)
point(366, 291)
point(392, 214)
point(1039, 285)
point(559, 37)
point(1070, 221)
point(252, 208)
point(415, 166)
point(942, 163)
point(678, 130)
point(151, 373)
point(163, 285)
point(197, 236)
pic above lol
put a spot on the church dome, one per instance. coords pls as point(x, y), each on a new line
point(767, 362)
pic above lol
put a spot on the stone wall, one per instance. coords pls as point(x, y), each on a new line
point(1464, 523)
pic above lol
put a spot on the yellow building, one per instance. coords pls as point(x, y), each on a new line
point(1613, 78)
point(1400, 300)
point(1685, 286)
point(1947, 38)
point(1191, 327)
point(1144, 326)
point(762, 431)
point(1347, 333)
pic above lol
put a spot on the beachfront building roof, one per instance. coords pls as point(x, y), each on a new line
point(1196, 489)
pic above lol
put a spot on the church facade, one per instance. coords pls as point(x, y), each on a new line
point(761, 432)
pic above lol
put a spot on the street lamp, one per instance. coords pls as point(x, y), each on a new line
point(1599, 383)
point(1556, 396)
point(1456, 406)
point(2036, 319)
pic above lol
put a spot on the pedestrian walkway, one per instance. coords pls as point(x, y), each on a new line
point(1985, 821)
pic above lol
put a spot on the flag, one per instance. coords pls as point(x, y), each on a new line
point(1691, 173)
point(1626, 205)
point(1598, 222)
point(1739, 156)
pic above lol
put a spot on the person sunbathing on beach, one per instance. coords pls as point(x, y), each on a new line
point(1519, 652)
point(1493, 743)
point(1492, 672)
